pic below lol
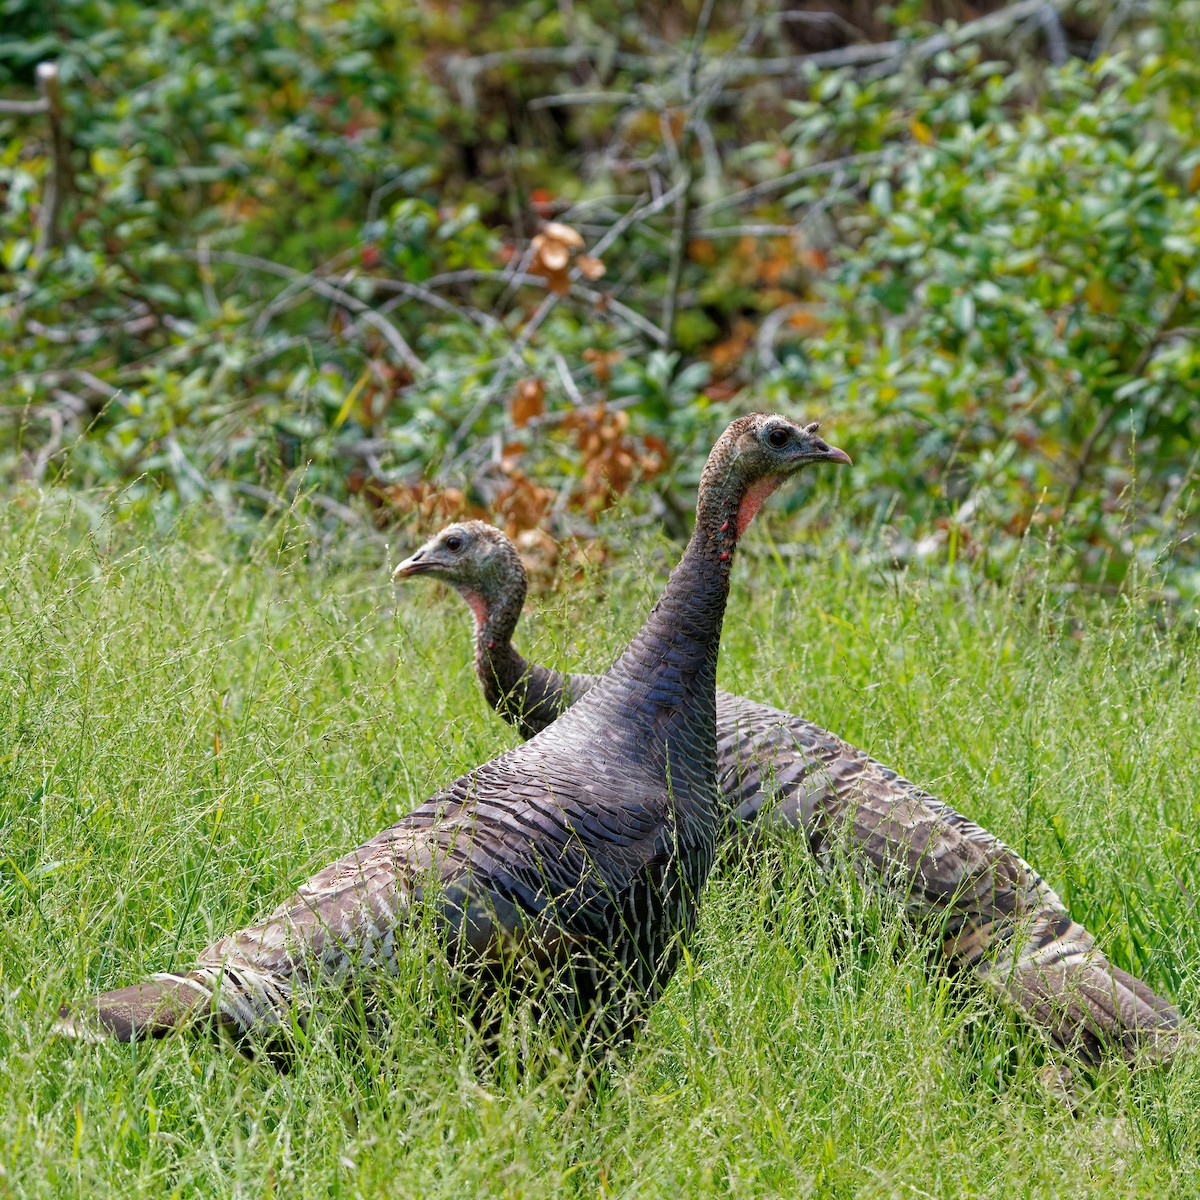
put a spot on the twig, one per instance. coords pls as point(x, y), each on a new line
point(463, 70)
point(1056, 42)
point(716, 232)
point(768, 333)
point(636, 216)
point(414, 291)
point(91, 333)
point(382, 192)
point(331, 292)
point(683, 164)
point(58, 180)
point(986, 26)
point(800, 175)
point(1106, 414)
point(582, 99)
point(276, 503)
point(628, 315)
point(75, 406)
point(1112, 24)
point(823, 18)
point(568, 380)
point(23, 108)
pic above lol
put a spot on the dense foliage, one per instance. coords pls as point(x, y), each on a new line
point(305, 246)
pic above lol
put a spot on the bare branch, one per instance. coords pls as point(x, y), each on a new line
point(582, 99)
point(92, 333)
point(413, 291)
point(277, 503)
point(58, 179)
point(730, 231)
point(800, 175)
point(628, 315)
point(768, 333)
point(568, 380)
point(1056, 42)
point(24, 108)
point(822, 18)
point(996, 22)
point(1112, 25)
point(323, 287)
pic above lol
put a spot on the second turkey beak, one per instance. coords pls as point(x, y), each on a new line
point(415, 564)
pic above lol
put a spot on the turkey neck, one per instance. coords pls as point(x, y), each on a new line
point(502, 671)
point(672, 662)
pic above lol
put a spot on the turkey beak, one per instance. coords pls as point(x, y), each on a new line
point(415, 564)
point(834, 455)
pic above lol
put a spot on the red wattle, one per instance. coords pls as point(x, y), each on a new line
point(478, 607)
point(755, 497)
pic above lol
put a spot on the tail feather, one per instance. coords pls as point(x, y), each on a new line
point(1056, 974)
point(155, 1008)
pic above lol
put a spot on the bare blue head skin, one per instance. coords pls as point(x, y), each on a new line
point(753, 456)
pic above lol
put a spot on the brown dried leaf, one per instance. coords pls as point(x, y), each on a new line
point(529, 401)
point(559, 232)
point(602, 362)
point(589, 267)
point(521, 504)
point(552, 255)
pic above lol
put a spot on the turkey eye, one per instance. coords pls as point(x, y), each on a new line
point(454, 543)
point(777, 438)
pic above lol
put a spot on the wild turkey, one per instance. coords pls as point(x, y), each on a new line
point(580, 854)
point(998, 918)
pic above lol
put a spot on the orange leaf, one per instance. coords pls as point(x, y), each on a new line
point(602, 362)
point(920, 131)
point(806, 320)
point(589, 267)
point(814, 258)
point(552, 255)
point(559, 232)
point(528, 401)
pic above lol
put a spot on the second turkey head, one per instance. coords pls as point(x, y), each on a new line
point(478, 561)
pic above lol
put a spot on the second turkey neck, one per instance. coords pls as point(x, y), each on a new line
point(503, 673)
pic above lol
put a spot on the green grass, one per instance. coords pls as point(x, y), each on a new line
point(192, 723)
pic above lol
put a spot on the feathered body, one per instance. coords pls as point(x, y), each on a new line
point(581, 853)
point(996, 916)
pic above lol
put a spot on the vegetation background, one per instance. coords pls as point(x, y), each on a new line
point(284, 284)
point(290, 247)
